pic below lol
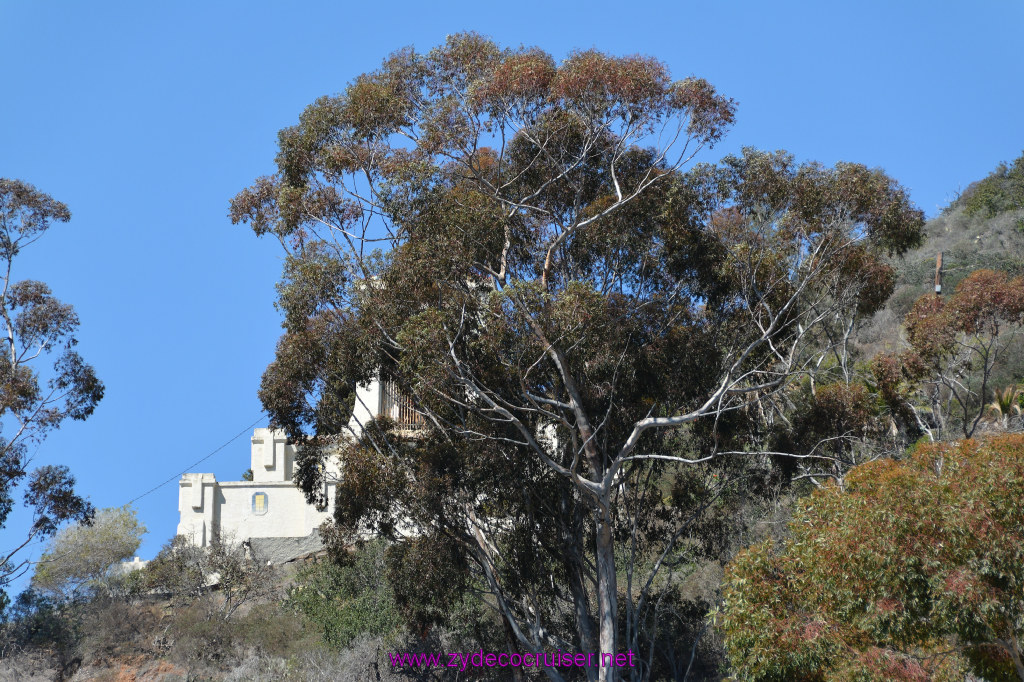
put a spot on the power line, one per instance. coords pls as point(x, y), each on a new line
point(198, 462)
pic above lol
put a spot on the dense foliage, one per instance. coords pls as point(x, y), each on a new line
point(347, 600)
point(913, 570)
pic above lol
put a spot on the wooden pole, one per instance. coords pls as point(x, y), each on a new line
point(938, 274)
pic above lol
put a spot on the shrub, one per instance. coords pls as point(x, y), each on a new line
point(196, 638)
point(37, 619)
point(1001, 191)
point(186, 573)
point(914, 571)
point(112, 627)
point(346, 600)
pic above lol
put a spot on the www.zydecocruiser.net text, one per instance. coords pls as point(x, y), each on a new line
point(478, 659)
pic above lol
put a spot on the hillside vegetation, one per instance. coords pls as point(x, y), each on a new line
point(983, 228)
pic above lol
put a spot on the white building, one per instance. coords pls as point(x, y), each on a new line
point(269, 512)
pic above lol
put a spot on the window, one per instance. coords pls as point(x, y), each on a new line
point(260, 503)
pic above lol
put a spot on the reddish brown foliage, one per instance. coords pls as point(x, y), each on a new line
point(911, 560)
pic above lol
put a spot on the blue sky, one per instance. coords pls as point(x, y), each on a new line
point(146, 118)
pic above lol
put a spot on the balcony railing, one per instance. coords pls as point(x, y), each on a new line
point(399, 407)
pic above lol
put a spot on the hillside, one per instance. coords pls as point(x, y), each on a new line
point(983, 228)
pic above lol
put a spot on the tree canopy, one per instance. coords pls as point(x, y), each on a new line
point(79, 559)
point(523, 248)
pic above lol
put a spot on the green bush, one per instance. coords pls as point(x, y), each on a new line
point(37, 619)
point(195, 637)
point(1001, 191)
point(273, 629)
point(344, 601)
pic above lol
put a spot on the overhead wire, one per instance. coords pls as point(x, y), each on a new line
point(198, 461)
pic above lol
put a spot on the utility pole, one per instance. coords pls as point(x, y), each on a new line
point(938, 274)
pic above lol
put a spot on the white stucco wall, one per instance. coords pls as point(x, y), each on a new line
point(196, 493)
point(271, 458)
point(287, 513)
point(367, 405)
point(208, 507)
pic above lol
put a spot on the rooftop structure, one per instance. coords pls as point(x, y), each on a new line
point(269, 512)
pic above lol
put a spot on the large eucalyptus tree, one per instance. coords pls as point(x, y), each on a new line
point(523, 248)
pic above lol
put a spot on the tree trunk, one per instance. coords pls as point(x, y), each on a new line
point(606, 592)
point(512, 646)
point(1014, 651)
point(588, 633)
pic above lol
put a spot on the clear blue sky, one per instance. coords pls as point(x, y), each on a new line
point(146, 118)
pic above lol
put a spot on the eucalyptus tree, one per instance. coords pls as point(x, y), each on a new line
point(43, 379)
point(524, 248)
